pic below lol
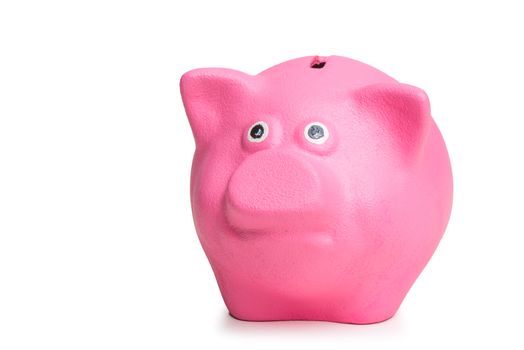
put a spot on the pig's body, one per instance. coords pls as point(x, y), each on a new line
point(336, 228)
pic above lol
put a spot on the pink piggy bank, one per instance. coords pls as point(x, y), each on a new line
point(320, 188)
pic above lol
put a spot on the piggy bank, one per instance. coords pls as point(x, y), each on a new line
point(320, 188)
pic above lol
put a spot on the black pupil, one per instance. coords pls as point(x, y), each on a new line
point(257, 131)
point(315, 132)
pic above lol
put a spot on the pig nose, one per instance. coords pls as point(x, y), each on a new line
point(278, 189)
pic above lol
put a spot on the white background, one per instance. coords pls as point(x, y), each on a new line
point(97, 244)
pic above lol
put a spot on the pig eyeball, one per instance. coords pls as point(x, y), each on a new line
point(258, 132)
point(316, 133)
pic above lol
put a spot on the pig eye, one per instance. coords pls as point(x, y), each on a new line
point(258, 132)
point(316, 133)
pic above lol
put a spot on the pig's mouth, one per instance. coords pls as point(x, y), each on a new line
point(284, 223)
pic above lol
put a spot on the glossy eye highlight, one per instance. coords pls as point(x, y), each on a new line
point(316, 133)
point(258, 132)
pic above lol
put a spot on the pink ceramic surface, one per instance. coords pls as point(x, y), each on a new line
point(320, 188)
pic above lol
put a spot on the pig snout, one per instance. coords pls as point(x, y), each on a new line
point(277, 189)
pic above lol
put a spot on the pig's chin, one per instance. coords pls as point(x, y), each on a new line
point(305, 263)
point(301, 259)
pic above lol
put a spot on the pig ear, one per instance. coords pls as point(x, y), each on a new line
point(402, 110)
point(210, 95)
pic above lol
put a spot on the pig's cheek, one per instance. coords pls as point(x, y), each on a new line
point(209, 184)
point(273, 138)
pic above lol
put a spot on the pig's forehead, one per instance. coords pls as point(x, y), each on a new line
point(293, 90)
point(297, 81)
